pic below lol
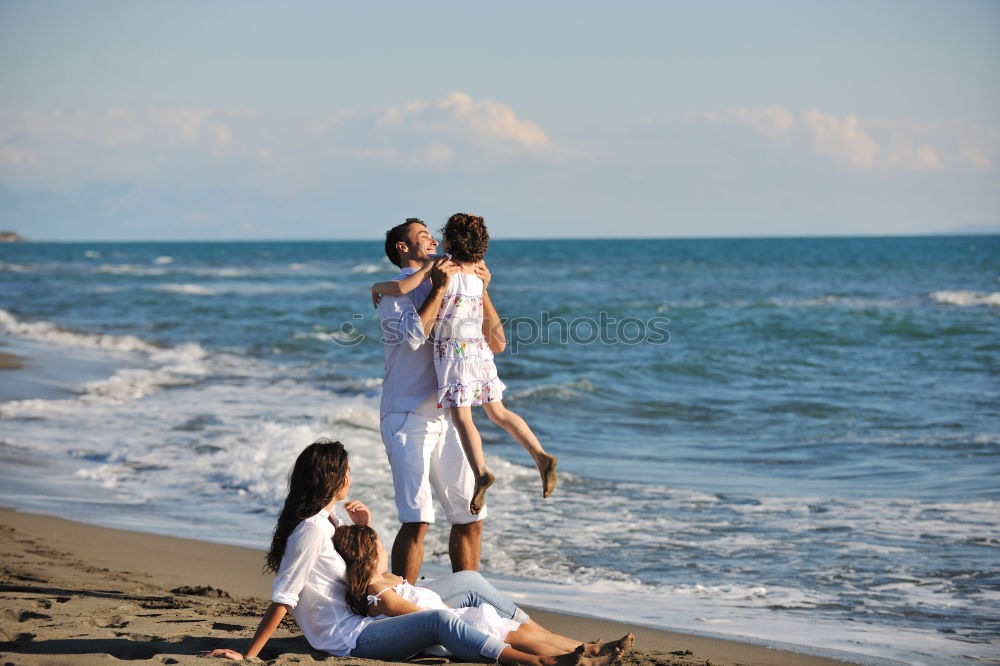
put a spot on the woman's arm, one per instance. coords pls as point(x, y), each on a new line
point(272, 618)
point(358, 512)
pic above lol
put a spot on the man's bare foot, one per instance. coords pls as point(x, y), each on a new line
point(620, 647)
point(479, 496)
point(547, 469)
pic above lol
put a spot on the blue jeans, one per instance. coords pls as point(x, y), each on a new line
point(401, 637)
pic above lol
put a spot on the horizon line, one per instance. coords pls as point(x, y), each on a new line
point(971, 233)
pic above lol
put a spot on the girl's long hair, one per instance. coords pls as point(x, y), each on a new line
point(358, 545)
point(319, 472)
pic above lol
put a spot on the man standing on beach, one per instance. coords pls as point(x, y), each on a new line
point(421, 442)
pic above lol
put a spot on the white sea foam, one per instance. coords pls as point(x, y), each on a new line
point(382, 267)
point(964, 298)
point(196, 289)
point(173, 367)
point(129, 269)
point(163, 260)
point(17, 268)
point(806, 302)
point(48, 332)
point(245, 288)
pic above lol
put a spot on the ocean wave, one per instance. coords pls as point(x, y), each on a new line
point(195, 289)
point(964, 298)
point(173, 367)
point(245, 288)
point(571, 389)
point(17, 268)
point(129, 269)
point(222, 272)
point(383, 267)
point(45, 331)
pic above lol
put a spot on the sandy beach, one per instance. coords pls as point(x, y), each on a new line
point(10, 361)
point(78, 594)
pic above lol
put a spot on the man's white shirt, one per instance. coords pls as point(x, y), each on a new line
point(410, 383)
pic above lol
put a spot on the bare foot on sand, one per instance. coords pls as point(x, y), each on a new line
point(483, 484)
point(603, 660)
point(547, 469)
point(611, 648)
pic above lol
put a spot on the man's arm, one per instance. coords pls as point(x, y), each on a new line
point(493, 333)
point(429, 310)
point(496, 340)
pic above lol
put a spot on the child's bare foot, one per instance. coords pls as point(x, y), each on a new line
point(601, 660)
point(619, 647)
point(577, 659)
point(547, 468)
point(479, 496)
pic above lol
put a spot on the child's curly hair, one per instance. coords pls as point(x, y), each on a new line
point(467, 238)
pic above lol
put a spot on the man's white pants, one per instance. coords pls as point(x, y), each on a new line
point(425, 452)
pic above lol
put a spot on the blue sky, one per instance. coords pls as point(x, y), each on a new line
point(229, 120)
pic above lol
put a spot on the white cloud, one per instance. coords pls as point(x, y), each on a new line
point(840, 139)
point(847, 141)
point(437, 155)
point(15, 156)
point(490, 119)
point(458, 113)
point(455, 131)
point(117, 128)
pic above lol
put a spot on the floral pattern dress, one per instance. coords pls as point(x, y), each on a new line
point(466, 373)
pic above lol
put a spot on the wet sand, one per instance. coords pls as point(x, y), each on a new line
point(10, 362)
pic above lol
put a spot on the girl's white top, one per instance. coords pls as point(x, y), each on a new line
point(311, 581)
point(466, 374)
point(484, 618)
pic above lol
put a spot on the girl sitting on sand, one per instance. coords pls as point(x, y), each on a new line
point(466, 374)
point(372, 590)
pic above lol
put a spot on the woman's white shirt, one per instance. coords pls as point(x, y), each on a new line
point(311, 581)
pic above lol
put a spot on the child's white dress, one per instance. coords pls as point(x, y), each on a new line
point(484, 618)
point(466, 374)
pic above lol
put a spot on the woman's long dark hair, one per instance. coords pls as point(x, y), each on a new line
point(358, 545)
point(319, 472)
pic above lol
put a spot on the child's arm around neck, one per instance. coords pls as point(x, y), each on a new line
point(404, 285)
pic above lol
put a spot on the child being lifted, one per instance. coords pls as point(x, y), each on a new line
point(466, 374)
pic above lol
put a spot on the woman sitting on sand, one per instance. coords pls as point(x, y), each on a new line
point(312, 583)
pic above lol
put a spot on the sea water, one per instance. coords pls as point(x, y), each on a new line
point(787, 440)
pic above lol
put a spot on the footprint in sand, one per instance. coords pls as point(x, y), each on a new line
point(115, 622)
point(222, 626)
point(32, 615)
